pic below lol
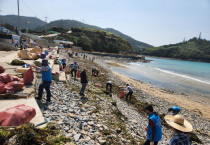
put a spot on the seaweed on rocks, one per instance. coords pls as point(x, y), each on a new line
point(29, 134)
point(17, 62)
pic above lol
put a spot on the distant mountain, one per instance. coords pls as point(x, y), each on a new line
point(136, 45)
point(13, 20)
point(194, 49)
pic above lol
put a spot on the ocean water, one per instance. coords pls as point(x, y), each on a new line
point(181, 76)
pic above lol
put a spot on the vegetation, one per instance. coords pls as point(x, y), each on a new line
point(194, 49)
point(29, 134)
point(97, 40)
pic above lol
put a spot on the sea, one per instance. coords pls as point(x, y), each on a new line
point(188, 77)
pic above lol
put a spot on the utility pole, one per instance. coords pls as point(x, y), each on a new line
point(45, 24)
point(18, 17)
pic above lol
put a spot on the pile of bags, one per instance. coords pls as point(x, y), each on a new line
point(36, 50)
point(34, 54)
point(10, 84)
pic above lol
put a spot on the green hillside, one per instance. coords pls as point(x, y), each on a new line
point(68, 24)
point(194, 49)
point(97, 40)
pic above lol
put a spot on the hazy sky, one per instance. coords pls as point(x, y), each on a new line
point(156, 22)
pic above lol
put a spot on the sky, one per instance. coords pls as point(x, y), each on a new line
point(156, 22)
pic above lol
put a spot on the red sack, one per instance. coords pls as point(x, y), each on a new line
point(2, 70)
point(2, 89)
point(122, 94)
point(13, 86)
point(98, 85)
point(60, 67)
point(15, 78)
point(28, 76)
point(5, 78)
point(78, 74)
point(17, 115)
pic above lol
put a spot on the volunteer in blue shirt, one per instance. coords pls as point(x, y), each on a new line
point(154, 131)
point(175, 110)
point(46, 81)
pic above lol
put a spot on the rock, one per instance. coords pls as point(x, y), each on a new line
point(119, 130)
point(66, 128)
point(84, 132)
point(77, 137)
point(91, 123)
point(71, 115)
point(87, 138)
point(102, 141)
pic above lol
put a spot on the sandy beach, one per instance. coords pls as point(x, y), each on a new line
point(198, 105)
point(181, 100)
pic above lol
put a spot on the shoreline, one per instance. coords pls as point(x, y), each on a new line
point(180, 100)
point(168, 58)
point(198, 105)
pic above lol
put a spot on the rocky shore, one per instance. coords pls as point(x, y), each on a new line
point(104, 118)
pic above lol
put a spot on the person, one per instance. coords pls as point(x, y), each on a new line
point(175, 110)
point(46, 81)
point(130, 91)
point(58, 50)
point(179, 125)
point(71, 69)
point(154, 130)
point(109, 84)
point(95, 72)
point(84, 81)
point(75, 68)
point(63, 61)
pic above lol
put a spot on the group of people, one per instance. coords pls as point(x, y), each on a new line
point(178, 124)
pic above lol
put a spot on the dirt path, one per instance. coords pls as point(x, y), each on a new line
point(187, 103)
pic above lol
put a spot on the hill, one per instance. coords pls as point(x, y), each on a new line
point(40, 25)
point(194, 49)
point(136, 45)
point(13, 20)
point(97, 40)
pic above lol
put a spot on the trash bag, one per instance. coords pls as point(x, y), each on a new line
point(17, 115)
point(122, 95)
point(2, 70)
point(13, 86)
point(5, 78)
point(2, 89)
point(28, 77)
point(15, 78)
point(78, 74)
point(60, 67)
